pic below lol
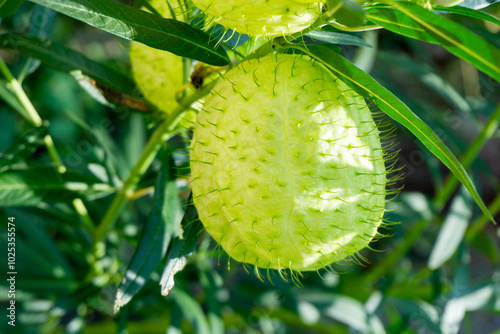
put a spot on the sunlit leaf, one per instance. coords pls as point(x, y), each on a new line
point(154, 239)
point(30, 186)
point(398, 22)
point(66, 60)
point(452, 232)
point(181, 248)
point(24, 146)
point(337, 38)
point(143, 27)
point(455, 38)
point(477, 14)
point(397, 110)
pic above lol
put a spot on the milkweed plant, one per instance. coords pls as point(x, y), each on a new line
point(266, 166)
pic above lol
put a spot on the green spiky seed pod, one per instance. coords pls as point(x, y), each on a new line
point(158, 73)
point(267, 18)
point(287, 166)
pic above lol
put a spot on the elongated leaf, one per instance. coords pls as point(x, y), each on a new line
point(192, 311)
point(342, 308)
point(44, 245)
point(477, 4)
point(337, 38)
point(154, 239)
point(371, 90)
point(477, 14)
point(452, 232)
point(399, 23)
point(472, 299)
point(455, 38)
point(181, 248)
point(30, 186)
point(9, 7)
point(66, 60)
point(41, 28)
point(138, 25)
point(24, 146)
point(208, 279)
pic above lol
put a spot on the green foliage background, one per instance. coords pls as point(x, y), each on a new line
point(79, 233)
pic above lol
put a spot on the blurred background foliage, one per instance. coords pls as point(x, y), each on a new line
point(438, 272)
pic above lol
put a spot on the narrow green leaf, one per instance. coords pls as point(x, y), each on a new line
point(66, 60)
point(31, 260)
point(477, 4)
point(181, 248)
point(455, 38)
point(470, 300)
point(477, 14)
point(399, 23)
point(24, 146)
point(337, 38)
point(211, 282)
point(138, 25)
point(9, 7)
point(192, 311)
point(452, 232)
point(43, 244)
point(30, 186)
point(41, 28)
point(341, 308)
point(371, 90)
point(154, 239)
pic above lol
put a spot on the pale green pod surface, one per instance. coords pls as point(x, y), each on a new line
point(267, 18)
point(287, 165)
point(158, 73)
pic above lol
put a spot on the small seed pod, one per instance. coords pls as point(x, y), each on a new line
point(267, 18)
point(287, 165)
point(158, 73)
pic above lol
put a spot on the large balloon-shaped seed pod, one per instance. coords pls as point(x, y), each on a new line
point(158, 73)
point(268, 18)
point(287, 166)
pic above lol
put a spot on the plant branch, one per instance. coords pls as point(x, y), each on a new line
point(441, 198)
point(35, 119)
point(162, 133)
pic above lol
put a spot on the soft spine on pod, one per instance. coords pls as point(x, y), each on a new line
point(267, 18)
point(288, 171)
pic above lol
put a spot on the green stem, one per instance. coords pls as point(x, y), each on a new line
point(54, 155)
point(161, 134)
point(472, 152)
point(129, 186)
point(441, 198)
point(33, 116)
point(354, 29)
point(21, 95)
point(35, 119)
point(480, 222)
